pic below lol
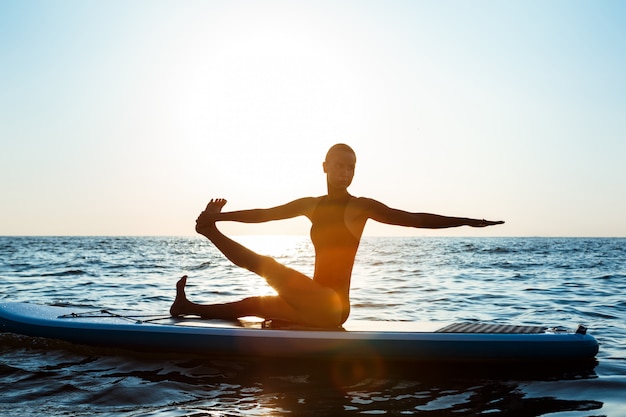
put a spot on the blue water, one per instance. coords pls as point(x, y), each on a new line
point(536, 281)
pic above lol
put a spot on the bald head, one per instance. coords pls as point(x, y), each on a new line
point(339, 147)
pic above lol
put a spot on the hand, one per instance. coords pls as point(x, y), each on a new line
point(206, 220)
point(485, 223)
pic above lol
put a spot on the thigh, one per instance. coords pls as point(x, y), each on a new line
point(287, 281)
point(310, 302)
point(275, 307)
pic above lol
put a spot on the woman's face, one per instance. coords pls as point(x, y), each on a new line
point(339, 168)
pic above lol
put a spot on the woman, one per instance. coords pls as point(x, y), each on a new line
point(337, 222)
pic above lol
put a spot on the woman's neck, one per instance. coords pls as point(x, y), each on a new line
point(337, 193)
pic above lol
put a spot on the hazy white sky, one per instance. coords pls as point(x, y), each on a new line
point(125, 117)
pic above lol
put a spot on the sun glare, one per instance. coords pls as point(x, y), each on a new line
point(257, 111)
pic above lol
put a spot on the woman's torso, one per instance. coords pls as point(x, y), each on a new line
point(335, 232)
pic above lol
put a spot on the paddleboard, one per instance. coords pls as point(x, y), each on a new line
point(252, 337)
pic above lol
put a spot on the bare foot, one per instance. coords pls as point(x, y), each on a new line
point(205, 224)
point(180, 305)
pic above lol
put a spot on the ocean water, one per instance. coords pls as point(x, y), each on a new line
point(535, 281)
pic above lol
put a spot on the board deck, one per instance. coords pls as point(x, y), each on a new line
point(252, 337)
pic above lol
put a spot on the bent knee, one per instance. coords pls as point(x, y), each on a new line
point(332, 312)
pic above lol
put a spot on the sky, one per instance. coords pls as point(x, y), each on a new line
point(126, 117)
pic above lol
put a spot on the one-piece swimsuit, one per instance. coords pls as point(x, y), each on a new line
point(335, 247)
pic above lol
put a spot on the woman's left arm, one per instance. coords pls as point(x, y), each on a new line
point(376, 210)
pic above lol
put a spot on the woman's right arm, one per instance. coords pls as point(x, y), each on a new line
point(300, 207)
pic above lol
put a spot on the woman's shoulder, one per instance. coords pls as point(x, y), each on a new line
point(368, 206)
point(364, 201)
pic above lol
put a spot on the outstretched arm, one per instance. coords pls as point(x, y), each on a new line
point(295, 208)
point(381, 213)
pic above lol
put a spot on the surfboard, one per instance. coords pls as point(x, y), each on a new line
point(257, 338)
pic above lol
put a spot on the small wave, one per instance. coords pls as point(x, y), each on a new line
point(601, 315)
point(499, 250)
point(612, 277)
point(201, 267)
point(69, 272)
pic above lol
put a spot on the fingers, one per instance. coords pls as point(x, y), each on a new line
point(485, 223)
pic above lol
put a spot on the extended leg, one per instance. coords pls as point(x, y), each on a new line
point(265, 307)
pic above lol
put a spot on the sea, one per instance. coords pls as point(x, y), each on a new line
point(525, 281)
